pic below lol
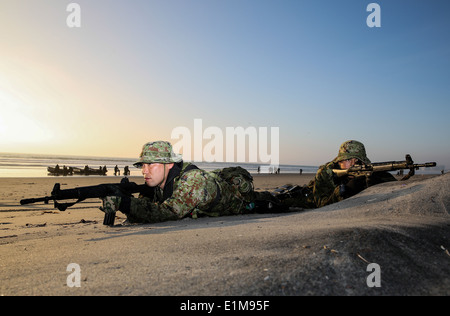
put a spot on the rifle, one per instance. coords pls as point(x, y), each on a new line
point(367, 170)
point(125, 187)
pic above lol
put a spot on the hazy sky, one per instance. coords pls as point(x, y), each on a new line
point(135, 70)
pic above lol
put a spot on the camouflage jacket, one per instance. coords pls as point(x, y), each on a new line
point(188, 191)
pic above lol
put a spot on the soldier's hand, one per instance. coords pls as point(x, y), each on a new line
point(111, 204)
point(110, 207)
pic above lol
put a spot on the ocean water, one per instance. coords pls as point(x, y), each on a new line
point(35, 165)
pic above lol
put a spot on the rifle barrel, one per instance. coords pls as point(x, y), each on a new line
point(30, 201)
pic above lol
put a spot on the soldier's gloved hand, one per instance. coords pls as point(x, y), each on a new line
point(110, 207)
point(112, 204)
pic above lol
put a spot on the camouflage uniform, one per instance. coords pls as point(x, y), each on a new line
point(327, 188)
point(188, 191)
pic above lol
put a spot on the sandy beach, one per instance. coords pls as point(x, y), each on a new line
point(403, 227)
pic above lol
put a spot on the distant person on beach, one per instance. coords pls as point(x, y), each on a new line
point(327, 188)
point(116, 171)
point(178, 190)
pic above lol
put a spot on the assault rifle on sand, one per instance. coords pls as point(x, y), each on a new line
point(367, 170)
point(125, 187)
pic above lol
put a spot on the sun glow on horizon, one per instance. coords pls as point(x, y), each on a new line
point(18, 126)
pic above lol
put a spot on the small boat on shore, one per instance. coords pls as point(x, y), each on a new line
point(68, 171)
point(60, 171)
point(101, 171)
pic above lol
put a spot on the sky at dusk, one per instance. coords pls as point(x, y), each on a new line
point(136, 70)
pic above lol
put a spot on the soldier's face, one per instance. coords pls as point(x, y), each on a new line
point(345, 164)
point(155, 174)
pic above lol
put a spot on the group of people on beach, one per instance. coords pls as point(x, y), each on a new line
point(179, 189)
point(68, 171)
point(126, 171)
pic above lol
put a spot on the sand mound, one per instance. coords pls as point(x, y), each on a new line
point(402, 227)
point(416, 196)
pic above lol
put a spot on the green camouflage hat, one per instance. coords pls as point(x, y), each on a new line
point(157, 152)
point(352, 149)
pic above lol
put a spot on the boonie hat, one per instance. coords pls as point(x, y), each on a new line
point(157, 152)
point(352, 149)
